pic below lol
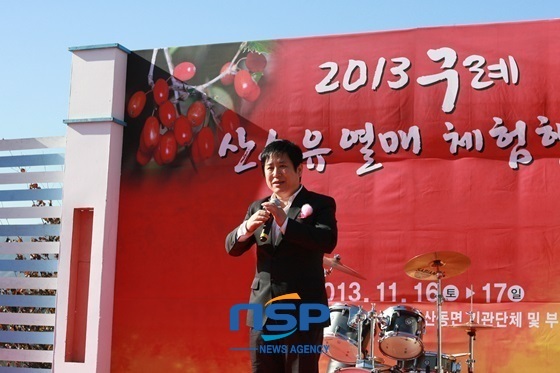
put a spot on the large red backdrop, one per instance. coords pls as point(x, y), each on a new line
point(438, 139)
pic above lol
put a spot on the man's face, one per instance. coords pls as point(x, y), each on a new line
point(281, 176)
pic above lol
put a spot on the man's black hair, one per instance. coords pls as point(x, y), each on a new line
point(282, 147)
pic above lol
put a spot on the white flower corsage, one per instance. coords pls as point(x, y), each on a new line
point(306, 211)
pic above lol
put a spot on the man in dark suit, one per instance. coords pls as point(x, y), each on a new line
point(302, 227)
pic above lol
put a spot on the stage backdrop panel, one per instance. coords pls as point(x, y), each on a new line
point(430, 140)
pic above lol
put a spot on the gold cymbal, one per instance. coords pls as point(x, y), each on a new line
point(440, 263)
point(472, 326)
point(461, 354)
point(335, 263)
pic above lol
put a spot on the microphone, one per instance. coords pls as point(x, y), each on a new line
point(268, 224)
point(266, 230)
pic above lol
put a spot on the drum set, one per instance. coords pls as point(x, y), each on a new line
point(398, 330)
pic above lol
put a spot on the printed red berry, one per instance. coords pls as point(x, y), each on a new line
point(183, 131)
point(254, 94)
point(205, 142)
point(168, 147)
point(184, 71)
point(142, 158)
point(228, 78)
point(157, 155)
point(161, 91)
point(150, 133)
point(167, 114)
point(136, 104)
point(244, 84)
point(195, 153)
point(230, 121)
point(196, 113)
point(255, 62)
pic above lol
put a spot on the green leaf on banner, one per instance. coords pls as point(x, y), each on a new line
point(221, 96)
point(259, 47)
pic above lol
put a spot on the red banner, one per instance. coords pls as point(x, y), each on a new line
point(430, 140)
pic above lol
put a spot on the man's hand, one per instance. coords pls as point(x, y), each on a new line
point(256, 220)
point(277, 212)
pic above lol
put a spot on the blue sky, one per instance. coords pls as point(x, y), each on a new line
point(35, 36)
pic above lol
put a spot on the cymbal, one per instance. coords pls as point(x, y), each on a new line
point(444, 263)
point(472, 326)
point(461, 354)
point(335, 263)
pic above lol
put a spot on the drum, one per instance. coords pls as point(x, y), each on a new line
point(402, 329)
point(342, 335)
point(449, 363)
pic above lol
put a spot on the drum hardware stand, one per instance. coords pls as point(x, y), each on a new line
point(471, 327)
point(435, 266)
point(472, 337)
point(361, 363)
point(369, 361)
point(470, 360)
point(439, 304)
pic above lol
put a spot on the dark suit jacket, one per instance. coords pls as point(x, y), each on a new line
point(294, 262)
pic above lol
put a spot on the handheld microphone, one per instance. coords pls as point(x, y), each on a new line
point(268, 224)
point(266, 230)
